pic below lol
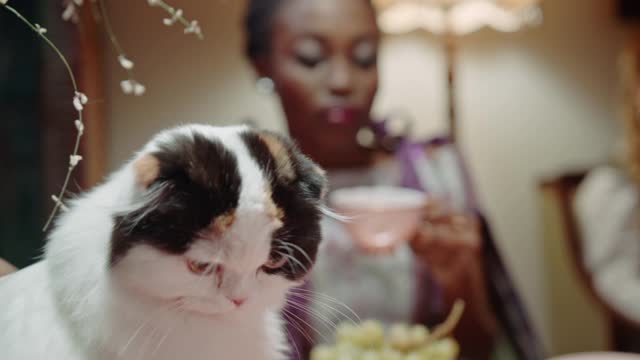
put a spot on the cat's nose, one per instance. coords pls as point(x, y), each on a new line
point(238, 301)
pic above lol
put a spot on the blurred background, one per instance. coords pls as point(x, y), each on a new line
point(536, 107)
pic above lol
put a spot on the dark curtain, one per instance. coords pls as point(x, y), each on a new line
point(36, 125)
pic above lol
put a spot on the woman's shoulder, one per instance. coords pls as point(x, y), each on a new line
point(607, 210)
point(606, 193)
point(604, 185)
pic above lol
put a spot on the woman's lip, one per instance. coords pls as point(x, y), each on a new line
point(341, 114)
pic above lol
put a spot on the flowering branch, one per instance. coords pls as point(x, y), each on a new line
point(71, 10)
point(129, 86)
point(79, 100)
point(191, 27)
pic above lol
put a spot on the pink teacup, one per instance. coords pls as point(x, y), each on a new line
point(380, 217)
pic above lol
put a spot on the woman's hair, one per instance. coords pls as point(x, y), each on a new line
point(259, 26)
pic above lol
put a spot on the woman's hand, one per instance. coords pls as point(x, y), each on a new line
point(450, 244)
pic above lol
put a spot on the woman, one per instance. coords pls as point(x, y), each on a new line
point(321, 58)
point(607, 207)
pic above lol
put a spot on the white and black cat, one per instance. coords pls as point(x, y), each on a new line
point(186, 252)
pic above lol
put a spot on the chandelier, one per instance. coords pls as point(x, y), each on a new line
point(457, 17)
point(451, 19)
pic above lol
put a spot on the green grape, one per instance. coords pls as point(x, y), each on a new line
point(414, 356)
point(345, 357)
point(323, 352)
point(446, 349)
point(399, 337)
point(359, 338)
point(418, 335)
point(345, 333)
point(368, 342)
point(370, 355)
point(348, 350)
point(390, 354)
point(371, 334)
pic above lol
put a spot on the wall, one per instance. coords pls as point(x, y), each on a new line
point(535, 104)
point(187, 80)
point(530, 104)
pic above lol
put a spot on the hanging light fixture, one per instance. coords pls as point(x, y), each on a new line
point(453, 18)
point(459, 17)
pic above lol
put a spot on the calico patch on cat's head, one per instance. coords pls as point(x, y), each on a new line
point(219, 216)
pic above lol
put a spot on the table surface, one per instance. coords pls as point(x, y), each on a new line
point(598, 356)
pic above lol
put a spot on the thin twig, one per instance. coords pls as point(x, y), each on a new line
point(448, 325)
point(79, 100)
point(169, 9)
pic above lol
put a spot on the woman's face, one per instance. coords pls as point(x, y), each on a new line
point(323, 62)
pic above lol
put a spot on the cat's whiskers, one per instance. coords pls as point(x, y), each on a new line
point(295, 323)
point(147, 341)
point(167, 308)
point(317, 296)
point(179, 308)
point(149, 338)
point(293, 261)
point(292, 341)
point(298, 248)
point(336, 312)
point(333, 214)
point(324, 337)
point(328, 323)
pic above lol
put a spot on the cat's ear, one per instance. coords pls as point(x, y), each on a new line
point(147, 169)
point(293, 164)
point(279, 149)
point(313, 177)
point(283, 159)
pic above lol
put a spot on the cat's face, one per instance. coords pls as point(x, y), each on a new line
point(222, 219)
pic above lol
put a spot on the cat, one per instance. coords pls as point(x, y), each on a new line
point(186, 252)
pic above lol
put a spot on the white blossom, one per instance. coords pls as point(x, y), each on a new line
point(40, 29)
point(176, 14)
point(193, 27)
point(127, 86)
point(79, 100)
point(132, 87)
point(79, 127)
point(139, 89)
point(77, 104)
point(59, 203)
point(5, 1)
point(74, 160)
point(125, 63)
point(70, 12)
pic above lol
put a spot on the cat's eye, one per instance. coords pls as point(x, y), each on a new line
point(200, 267)
point(273, 264)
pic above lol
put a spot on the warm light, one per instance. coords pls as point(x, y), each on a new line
point(457, 17)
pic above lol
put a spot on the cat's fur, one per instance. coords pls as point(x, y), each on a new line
point(115, 283)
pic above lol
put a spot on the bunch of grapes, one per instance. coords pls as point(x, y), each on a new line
point(369, 341)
